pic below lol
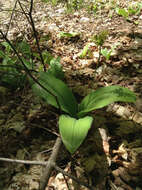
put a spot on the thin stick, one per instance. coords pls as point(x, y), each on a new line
point(52, 164)
point(13, 10)
point(72, 177)
point(35, 35)
point(23, 161)
point(49, 166)
point(67, 184)
point(23, 11)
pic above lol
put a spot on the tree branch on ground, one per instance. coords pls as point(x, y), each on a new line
point(35, 34)
point(49, 167)
point(58, 169)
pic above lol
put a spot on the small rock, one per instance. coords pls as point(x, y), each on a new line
point(52, 27)
point(84, 20)
point(140, 17)
point(60, 11)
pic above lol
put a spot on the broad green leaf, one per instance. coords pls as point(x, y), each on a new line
point(106, 53)
point(68, 34)
point(84, 51)
point(104, 96)
point(73, 131)
point(122, 12)
point(64, 95)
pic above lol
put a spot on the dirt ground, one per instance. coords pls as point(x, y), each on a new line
point(111, 156)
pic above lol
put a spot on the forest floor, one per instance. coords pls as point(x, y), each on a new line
point(111, 156)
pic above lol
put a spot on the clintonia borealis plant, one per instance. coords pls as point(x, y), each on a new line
point(74, 125)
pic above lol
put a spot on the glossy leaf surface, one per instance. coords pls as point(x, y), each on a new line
point(74, 131)
point(57, 87)
point(104, 96)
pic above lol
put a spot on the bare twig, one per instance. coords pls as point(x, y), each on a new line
point(10, 10)
point(67, 184)
point(35, 35)
point(72, 177)
point(13, 10)
point(23, 11)
point(52, 165)
point(49, 166)
point(23, 161)
point(31, 22)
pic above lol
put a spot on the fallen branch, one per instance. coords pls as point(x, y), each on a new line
point(23, 161)
point(72, 177)
point(50, 164)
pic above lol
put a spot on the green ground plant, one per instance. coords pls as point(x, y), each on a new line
point(74, 122)
point(74, 125)
point(99, 40)
point(132, 9)
point(12, 73)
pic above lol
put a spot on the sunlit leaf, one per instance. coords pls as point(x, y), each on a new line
point(122, 12)
point(73, 131)
point(68, 34)
point(85, 51)
point(104, 96)
point(57, 87)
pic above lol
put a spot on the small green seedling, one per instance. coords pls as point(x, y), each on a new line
point(74, 125)
point(68, 34)
point(135, 9)
point(47, 57)
point(122, 12)
point(100, 38)
point(106, 53)
point(55, 68)
point(86, 52)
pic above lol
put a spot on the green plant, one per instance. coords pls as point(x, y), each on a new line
point(99, 39)
point(55, 68)
point(86, 52)
point(74, 127)
point(122, 12)
point(53, 64)
point(68, 34)
point(11, 73)
point(76, 4)
point(135, 9)
point(106, 53)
